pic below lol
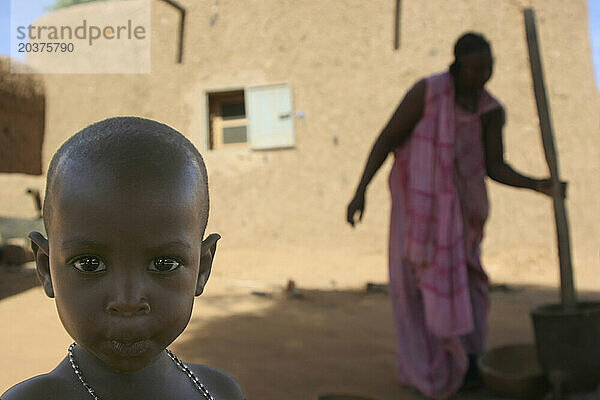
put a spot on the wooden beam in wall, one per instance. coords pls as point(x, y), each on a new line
point(181, 9)
point(397, 24)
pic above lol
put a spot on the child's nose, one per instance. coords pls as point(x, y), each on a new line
point(127, 296)
point(128, 308)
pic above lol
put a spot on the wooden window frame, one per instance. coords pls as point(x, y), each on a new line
point(217, 123)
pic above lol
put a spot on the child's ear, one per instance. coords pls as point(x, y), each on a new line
point(207, 253)
point(41, 252)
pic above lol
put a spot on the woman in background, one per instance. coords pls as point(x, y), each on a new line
point(446, 136)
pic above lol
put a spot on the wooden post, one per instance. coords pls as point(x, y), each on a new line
point(567, 287)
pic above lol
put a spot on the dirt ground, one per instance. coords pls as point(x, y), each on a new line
point(334, 337)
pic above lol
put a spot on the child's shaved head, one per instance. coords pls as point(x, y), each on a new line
point(128, 149)
point(125, 212)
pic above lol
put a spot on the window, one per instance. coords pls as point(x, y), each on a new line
point(258, 117)
point(227, 120)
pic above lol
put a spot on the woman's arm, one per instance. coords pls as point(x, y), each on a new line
point(395, 134)
point(496, 167)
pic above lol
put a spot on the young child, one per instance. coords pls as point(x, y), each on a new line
point(125, 211)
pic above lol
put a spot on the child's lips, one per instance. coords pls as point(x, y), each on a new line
point(127, 347)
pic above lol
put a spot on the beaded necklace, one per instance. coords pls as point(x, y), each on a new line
point(184, 368)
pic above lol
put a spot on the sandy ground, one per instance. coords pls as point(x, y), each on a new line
point(335, 338)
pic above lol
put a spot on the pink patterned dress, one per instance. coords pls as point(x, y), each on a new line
point(439, 208)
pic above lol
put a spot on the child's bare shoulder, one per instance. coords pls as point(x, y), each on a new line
point(219, 384)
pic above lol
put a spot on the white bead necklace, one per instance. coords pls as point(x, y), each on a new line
point(184, 368)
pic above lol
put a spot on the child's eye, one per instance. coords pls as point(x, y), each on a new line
point(164, 264)
point(89, 264)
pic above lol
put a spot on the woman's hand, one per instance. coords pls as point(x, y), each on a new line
point(357, 204)
point(545, 186)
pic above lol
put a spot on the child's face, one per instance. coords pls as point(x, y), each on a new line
point(125, 262)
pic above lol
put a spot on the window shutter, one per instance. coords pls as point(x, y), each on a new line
point(270, 117)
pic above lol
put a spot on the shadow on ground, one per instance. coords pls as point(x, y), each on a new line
point(328, 341)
